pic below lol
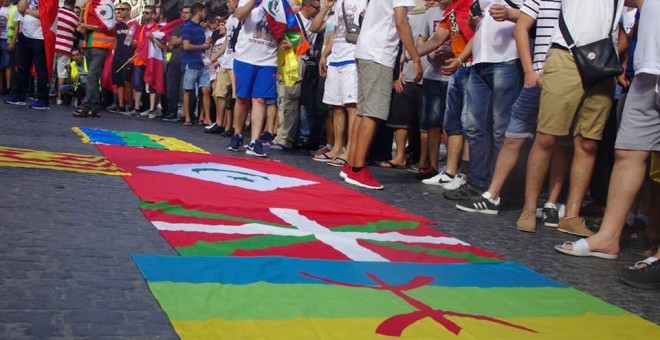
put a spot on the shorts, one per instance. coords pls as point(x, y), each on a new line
point(404, 106)
point(433, 103)
point(223, 84)
point(374, 89)
point(194, 79)
point(456, 108)
point(124, 75)
point(61, 62)
point(640, 122)
point(254, 81)
point(138, 78)
point(341, 85)
point(6, 58)
point(565, 105)
point(524, 114)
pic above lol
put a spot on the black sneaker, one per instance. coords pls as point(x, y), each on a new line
point(266, 137)
point(235, 143)
point(479, 204)
point(228, 133)
point(214, 128)
point(463, 193)
point(550, 216)
point(256, 149)
point(426, 172)
point(169, 117)
point(647, 277)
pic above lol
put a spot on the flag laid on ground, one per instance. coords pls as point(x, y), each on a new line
point(134, 139)
point(26, 158)
point(312, 234)
point(284, 298)
point(48, 19)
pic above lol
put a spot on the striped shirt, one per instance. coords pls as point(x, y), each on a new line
point(67, 21)
point(546, 14)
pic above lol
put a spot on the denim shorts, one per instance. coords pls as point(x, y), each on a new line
point(433, 103)
point(6, 59)
point(524, 114)
point(455, 112)
point(194, 79)
point(138, 78)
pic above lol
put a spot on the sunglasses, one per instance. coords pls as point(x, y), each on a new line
point(122, 9)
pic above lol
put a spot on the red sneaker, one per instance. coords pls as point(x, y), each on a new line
point(362, 178)
point(343, 173)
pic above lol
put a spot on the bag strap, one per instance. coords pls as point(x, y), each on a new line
point(567, 35)
point(512, 4)
point(304, 31)
point(343, 14)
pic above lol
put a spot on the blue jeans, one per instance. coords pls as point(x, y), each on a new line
point(29, 51)
point(491, 91)
point(456, 102)
point(525, 113)
point(433, 103)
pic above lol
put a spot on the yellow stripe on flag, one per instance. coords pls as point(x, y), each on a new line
point(26, 158)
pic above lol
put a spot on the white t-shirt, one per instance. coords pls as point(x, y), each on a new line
point(4, 21)
point(493, 40)
point(379, 40)
point(311, 37)
point(31, 26)
point(432, 19)
point(256, 44)
point(213, 71)
point(648, 40)
point(227, 59)
point(343, 51)
point(546, 13)
point(628, 19)
point(588, 21)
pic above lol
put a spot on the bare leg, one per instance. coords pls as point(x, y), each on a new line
point(258, 117)
point(365, 129)
point(186, 106)
point(137, 99)
point(240, 113)
point(423, 149)
point(60, 82)
point(537, 165)
point(583, 164)
point(271, 118)
point(434, 146)
point(330, 130)
point(559, 165)
point(400, 137)
point(454, 150)
point(120, 96)
point(339, 127)
point(506, 161)
point(220, 108)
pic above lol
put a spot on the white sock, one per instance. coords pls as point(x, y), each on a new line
point(550, 205)
point(489, 197)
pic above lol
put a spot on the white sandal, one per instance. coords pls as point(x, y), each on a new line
point(581, 248)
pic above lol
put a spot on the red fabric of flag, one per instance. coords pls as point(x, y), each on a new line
point(48, 18)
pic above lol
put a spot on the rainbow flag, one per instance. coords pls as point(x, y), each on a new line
point(285, 298)
point(134, 139)
point(37, 159)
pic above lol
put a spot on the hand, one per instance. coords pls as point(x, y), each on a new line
point(531, 79)
point(398, 84)
point(329, 3)
point(82, 28)
point(285, 44)
point(623, 80)
point(323, 67)
point(150, 35)
point(10, 47)
point(498, 12)
point(451, 65)
point(419, 70)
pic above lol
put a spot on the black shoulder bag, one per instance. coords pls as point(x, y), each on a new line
point(597, 60)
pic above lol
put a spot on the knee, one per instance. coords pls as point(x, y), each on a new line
point(586, 146)
point(513, 143)
point(545, 141)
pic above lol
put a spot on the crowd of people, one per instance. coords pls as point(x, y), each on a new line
point(461, 83)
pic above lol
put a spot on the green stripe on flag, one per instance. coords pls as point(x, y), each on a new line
point(384, 225)
point(468, 255)
point(258, 242)
point(138, 138)
point(186, 301)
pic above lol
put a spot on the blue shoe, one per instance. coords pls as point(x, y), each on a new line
point(40, 105)
point(235, 143)
point(278, 146)
point(256, 149)
point(14, 101)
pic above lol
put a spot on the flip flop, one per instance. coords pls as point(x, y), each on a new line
point(80, 111)
point(644, 263)
point(334, 161)
point(390, 165)
point(581, 249)
point(322, 158)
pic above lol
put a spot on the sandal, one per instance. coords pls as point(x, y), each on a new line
point(187, 124)
point(96, 113)
point(391, 165)
point(80, 111)
point(337, 161)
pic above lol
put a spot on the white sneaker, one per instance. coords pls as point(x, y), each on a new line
point(438, 180)
point(145, 113)
point(455, 183)
point(152, 115)
point(59, 102)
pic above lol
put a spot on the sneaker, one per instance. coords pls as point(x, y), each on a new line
point(574, 226)
point(427, 172)
point(214, 128)
point(40, 105)
point(481, 204)
point(550, 215)
point(228, 133)
point(145, 113)
point(362, 178)
point(343, 173)
point(59, 102)
point(131, 113)
point(526, 222)
point(278, 146)
point(646, 277)
point(457, 182)
point(235, 143)
point(169, 118)
point(463, 193)
point(14, 101)
point(266, 137)
point(112, 108)
point(440, 179)
point(151, 115)
point(256, 149)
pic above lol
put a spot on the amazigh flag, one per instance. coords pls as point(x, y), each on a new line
point(285, 298)
point(134, 139)
point(305, 234)
point(48, 19)
point(37, 159)
point(153, 57)
point(282, 22)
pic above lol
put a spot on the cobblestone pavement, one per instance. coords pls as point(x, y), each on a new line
point(66, 239)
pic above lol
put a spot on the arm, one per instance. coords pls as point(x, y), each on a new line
point(405, 34)
point(327, 50)
point(453, 64)
point(220, 51)
point(243, 11)
point(318, 24)
point(521, 34)
point(500, 12)
point(434, 43)
point(12, 43)
point(174, 42)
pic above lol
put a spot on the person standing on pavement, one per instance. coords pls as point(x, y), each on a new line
point(67, 22)
point(195, 74)
point(122, 69)
point(173, 72)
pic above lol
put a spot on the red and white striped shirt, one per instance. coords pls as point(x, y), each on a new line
point(67, 21)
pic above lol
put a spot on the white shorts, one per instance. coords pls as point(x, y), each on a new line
point(341, 85)
point(62, 62)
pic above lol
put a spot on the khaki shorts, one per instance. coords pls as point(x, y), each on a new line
point(374, 89)
point(565, 106)
point(224, 83)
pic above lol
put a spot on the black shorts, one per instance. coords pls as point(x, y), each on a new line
point(125, 75)
point(404, 105)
